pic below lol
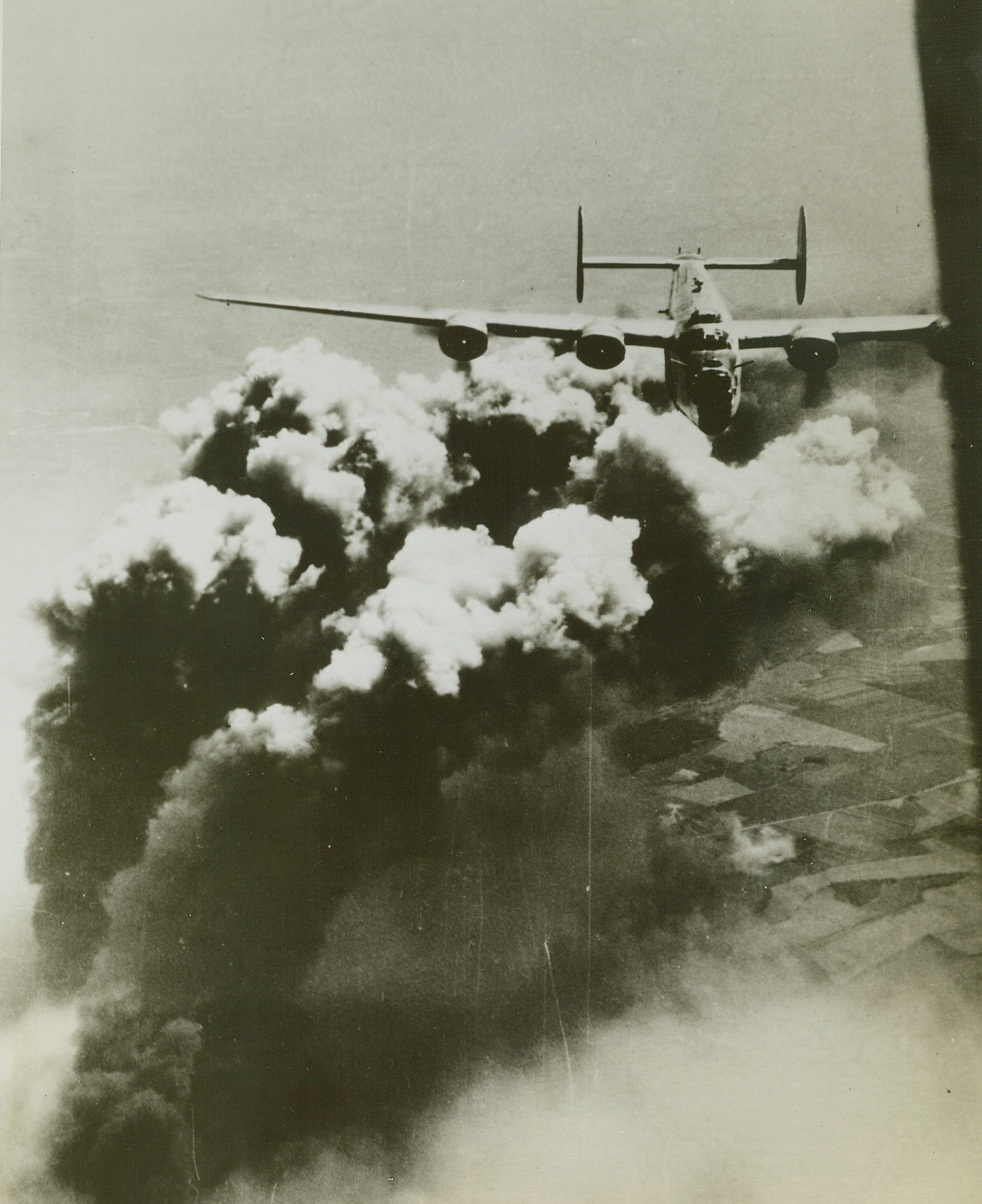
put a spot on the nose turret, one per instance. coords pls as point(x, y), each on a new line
point(712, 392)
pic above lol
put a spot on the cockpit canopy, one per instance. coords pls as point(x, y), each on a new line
point(703, 337)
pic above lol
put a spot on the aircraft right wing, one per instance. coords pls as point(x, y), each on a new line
point(637, 332)
point(778, 332)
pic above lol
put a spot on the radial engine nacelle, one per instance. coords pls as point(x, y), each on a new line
point(600, 345)
point(463, 337)
point(813, 349)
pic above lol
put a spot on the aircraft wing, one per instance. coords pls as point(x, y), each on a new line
point(654, 332)
point(777, 332)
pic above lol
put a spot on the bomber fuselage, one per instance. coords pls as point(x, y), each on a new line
point(701, 367)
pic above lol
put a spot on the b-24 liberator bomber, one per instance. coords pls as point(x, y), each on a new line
point(702, 341)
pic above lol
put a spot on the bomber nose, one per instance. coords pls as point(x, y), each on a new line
point(712, 384)
point(713, 391)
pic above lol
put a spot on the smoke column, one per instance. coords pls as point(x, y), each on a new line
point(326, 821)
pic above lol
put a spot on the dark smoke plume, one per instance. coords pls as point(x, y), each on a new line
point(324, 818)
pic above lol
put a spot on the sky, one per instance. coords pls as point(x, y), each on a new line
point(428, 153)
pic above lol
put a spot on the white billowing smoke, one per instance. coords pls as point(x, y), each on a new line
point(533, 384)
point(278, 729)
point(334, 392)
point(806, 492)
point(313, 472)
point(755, 851)
point(341, 406)
point(202, 529)
point(856, 405)
point(455, 593)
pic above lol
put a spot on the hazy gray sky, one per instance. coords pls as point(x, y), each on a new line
point(429, 152)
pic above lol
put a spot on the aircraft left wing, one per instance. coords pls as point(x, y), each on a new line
point(637, 332)
point(777, 332)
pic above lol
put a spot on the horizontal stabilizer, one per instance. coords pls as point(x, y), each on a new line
point(754, 265)
point(796, 264)
point(627, 261)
